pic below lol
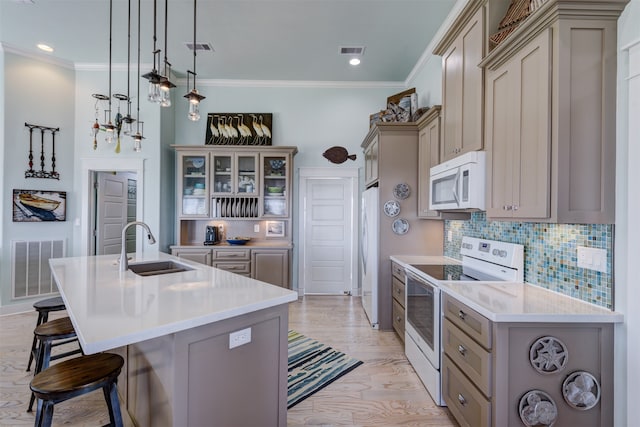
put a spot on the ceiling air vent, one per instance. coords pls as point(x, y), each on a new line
point(204, 47)
point(351, 50)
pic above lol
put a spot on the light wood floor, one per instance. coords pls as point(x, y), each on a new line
point(384, 391)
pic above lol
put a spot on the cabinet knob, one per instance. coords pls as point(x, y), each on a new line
point(515, 208)
point(507, 207)
point(462, 314)
point(398, 319)
point(462, 350)
point(462, 400)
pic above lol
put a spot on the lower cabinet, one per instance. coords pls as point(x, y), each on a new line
point(398, 292)
point(525, 373)
point(269, 265)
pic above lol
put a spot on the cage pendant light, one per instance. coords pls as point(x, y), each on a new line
point(165, 83)
point(153, 76)
point(127, 121)
point(193, 96)
point(137, 137)
point(109, 127)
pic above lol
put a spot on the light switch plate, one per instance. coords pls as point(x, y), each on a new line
point(592, 258)
point(256, 228)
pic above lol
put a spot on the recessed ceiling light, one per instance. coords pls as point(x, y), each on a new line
point(45, 47)
point(354, 61)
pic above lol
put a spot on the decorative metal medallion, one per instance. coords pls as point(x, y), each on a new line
point(581, 390)
point(537, 409)
point(401, 191)
point(392, 208)
point(548, 355)
point(400, 226)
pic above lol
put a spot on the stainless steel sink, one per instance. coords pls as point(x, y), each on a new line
point(154, 268)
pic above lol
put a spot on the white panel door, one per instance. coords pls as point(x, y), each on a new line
point(111, 212)
point(328, 255)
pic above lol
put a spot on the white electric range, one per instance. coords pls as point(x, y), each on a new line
point(483, 261)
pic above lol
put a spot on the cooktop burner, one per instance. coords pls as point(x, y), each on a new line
point(443, 271)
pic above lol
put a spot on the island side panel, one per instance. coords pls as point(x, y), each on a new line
point(208, 383)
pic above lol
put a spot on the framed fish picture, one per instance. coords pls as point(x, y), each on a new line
point(38, 206)
point(239, 129)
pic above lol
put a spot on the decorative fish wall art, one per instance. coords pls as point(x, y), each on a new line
point(338, 155)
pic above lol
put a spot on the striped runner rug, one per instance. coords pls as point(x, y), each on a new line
point(313, 366)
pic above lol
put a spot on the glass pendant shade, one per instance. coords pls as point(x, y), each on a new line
point(165, 93)
point(109, 132)
point(154, 91)
point(137, 142)
point(194, 110)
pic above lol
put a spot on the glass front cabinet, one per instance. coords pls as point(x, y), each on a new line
point(234, 173)
point(193, 184)
point(275, 184)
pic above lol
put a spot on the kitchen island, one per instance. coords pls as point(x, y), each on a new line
point(202, 347)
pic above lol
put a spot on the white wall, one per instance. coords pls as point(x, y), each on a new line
point(40, 93)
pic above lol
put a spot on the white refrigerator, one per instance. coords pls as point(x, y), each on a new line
point(369, 254)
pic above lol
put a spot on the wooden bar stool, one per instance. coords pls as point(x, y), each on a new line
point(44, 307)
point(75, 377)
point(49, 334)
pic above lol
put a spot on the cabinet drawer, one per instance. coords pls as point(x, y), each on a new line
point(466, 403)
point(243, 268)
point(397, 271)
point(398, 291)
point(231, 254)
point(470, 357)
point(468, 320)
point(398, 319)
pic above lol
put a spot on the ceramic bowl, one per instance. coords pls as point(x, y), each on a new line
point(274, 190)
point(239, 240)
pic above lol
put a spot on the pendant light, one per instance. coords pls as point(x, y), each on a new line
point(109, 127)
point(127, 121)
point(137, 138)
point(165, 83)
point(153, 76)
point(193, 96)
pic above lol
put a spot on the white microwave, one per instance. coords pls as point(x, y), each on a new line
point(458, 184)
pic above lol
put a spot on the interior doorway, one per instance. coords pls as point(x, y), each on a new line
point(89, 169)
point(328, 231)
point(114, 207)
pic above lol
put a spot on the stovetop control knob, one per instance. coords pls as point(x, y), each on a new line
point(503, 253)
point(496, 252)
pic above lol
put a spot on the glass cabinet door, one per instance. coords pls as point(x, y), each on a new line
point(222, 176)
point(193, 185)
point(246, 174)
point(275, 185)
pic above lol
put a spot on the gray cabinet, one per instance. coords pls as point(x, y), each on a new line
point(398, 292)
point(371, 162)
point(462, 49)
point(550, 115)
point(203, 256)
point(271, 266)
point(428, 156)
point(489, 368)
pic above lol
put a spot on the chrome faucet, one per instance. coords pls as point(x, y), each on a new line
point(124, 262)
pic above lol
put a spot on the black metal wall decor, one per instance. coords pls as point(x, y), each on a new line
point(41, 173)
point(239, 129)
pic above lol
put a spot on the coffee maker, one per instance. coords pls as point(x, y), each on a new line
point(211, 236)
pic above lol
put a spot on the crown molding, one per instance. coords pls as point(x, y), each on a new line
point(297, 84)
point(43, 57)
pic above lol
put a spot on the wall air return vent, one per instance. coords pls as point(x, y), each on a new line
point(199, 46)
point(351, 50)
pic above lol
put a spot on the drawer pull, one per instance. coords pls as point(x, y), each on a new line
point(462, 400)
point(398, 319)
point(462, 314)
point(462, 350)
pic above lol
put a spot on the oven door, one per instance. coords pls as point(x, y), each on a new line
point(423, 316)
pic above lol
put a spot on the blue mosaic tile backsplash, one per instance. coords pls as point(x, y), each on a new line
point(550, 253)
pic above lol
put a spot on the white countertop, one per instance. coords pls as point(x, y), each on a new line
point(110, 309)
point(516, 302)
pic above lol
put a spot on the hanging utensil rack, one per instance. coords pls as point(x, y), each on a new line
point(33, 173)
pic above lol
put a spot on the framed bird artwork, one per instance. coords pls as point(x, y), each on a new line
point(239, 129)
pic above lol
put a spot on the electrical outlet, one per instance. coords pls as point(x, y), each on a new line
point(256, 228)
point(238, 338)
point(592, 258)
point(450, 236)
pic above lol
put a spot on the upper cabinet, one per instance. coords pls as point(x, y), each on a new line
point(193, 184)
point(371, 162)
point(428, 156)
point(550, 115)
point(276, 183)
point(234, 173)
point(462, 48)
